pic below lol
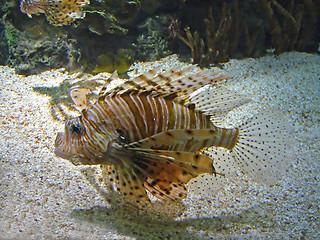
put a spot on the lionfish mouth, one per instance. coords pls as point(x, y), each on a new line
point(58, 150)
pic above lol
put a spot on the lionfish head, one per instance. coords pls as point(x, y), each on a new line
point(81, 144)
point(66, 143)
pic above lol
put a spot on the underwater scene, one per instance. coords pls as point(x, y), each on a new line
point(149, 119)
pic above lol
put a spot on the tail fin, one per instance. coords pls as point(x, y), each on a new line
point(264, 146)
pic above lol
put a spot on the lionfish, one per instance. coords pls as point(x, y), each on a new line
point(149, 133)
point(58, 12)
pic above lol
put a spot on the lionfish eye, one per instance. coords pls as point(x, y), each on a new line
point(75, 128)
point(122, 138)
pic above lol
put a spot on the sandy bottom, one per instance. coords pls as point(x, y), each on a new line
point(46, 197)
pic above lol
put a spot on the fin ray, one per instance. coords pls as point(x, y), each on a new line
point(264, 146)
point(162, 173)
point(217, 101)
point(180, 80)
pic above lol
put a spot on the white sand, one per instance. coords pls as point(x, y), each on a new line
point(46, 197)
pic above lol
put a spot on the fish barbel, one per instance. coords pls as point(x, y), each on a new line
point(148, 134)
point(58, 12)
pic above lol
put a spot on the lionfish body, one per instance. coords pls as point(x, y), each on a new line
point(148, 134)
point(58, 12)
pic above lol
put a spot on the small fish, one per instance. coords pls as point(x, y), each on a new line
point(149, 132)
point(58, 12)
point(78, 96)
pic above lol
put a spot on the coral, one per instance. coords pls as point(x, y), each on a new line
point(151, 44)
point(214, 31)
point(31, 47)
point(218, 39)
point(11, 35)
point(221, 37)
point(291, 24)
point(99, 21)
point(238, 28)
point(110, 16)
point(31, 56)
point(195, 44)
point(4, 49)
point(6, 6)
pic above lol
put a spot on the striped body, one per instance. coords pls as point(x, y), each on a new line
point(139, 115)
point(133, 116)
point(148, 134)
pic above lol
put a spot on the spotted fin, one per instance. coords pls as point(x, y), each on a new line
point(130, 182)
point(66, 11)
point(127, 177)
point(222, 160)
point(180, 80)
point(188, 83)
point(58, 12)
point(113, 76)
point(161, 173)
point(169, 171)
point(217, 101)
point(208, 184)
point(263, 152)
point(78, 96)
point(265, 146)
point(177, 191)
